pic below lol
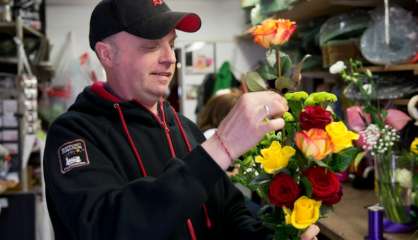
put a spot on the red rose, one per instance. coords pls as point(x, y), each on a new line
point(283, 190)
point(325, 185)
point(314, 117)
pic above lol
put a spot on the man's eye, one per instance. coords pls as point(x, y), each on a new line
point(151, 47)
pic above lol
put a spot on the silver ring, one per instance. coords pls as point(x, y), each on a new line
point(267, 108)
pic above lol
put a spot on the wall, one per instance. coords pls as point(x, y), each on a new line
point(222, 21)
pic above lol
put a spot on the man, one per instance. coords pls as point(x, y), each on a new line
point(122, 164)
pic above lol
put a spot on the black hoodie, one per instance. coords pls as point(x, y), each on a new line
point(114, 170)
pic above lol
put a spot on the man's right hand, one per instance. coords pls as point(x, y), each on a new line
point(254, 115)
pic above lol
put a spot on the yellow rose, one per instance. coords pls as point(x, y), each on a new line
point(414, 146)
point(341, 137)
point(275, 157)
point(305, 212)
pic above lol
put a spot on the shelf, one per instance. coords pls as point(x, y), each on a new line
point(318, 8)
point(8, 60)
point(10, 28)
point(357, 3)
point(309, 9)
point(9, 128)
point(8, 141)
point(319, 74)
point(400, 102)
point(395, 68)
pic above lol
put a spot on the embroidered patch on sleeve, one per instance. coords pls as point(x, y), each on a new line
point(73, 155)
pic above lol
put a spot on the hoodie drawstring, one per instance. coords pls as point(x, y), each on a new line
point(189, 147)
point(173, 154)
point(131, 141)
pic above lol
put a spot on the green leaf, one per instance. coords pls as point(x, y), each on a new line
point(286, 232)
point(284, 82)
point(261, 179)
point(271, 57)
point(415, 182)
point(255, 82)
point(358, 159)
point(307, 186)
point(325, 209)
point(321, 163)
point(295, 108)
point(285, 61)
point(343, 159)
point(297, 69)
point(286, 64)
point(262, 191)
point(290, 129)
point(247, 160)
point(301, 159)
point(267, 72)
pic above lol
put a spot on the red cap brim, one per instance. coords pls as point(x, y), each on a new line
point(189, 23)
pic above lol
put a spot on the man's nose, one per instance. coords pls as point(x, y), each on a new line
point(168, 56)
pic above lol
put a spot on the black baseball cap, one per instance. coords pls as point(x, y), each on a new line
point(150, 19)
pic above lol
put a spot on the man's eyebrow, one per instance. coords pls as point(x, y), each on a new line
point(156, 41)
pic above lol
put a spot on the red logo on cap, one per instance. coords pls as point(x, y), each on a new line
point(157, 2)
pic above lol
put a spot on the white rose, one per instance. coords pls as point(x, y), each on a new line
point(404, 177)
point(337, 67)
point(367, 88)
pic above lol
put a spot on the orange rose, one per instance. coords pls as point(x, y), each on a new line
point(273, 32)
point(314, 143)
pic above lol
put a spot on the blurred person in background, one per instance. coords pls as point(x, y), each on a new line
point(216, 109)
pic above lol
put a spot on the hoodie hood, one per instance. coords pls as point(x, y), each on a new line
point(98, 101)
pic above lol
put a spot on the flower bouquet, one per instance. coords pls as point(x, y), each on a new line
point(294, 170)
point(379, 138)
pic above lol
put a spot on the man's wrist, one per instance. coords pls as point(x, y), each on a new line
point(216, 149)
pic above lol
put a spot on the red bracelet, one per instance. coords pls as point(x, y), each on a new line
point(223, 145)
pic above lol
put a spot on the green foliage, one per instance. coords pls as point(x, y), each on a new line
point(343, 159)
point(322, 163)
point(254, 81)
point(295, 108)
point(325, 209)
point(285, 62)
point(267, 72)
point(261, 179)
point(307, 187)
point(284, 232)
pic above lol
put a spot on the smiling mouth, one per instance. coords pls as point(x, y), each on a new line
point(163, 74)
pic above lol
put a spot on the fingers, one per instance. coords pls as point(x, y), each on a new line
point(272, 124)
point(277, 105)
point(310, 233)
point(254, 115)
point(271, 105)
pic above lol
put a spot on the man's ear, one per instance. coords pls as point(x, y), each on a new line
point(104, 53)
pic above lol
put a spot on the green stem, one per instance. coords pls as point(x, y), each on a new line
point(390, 193)
point(278, 61)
